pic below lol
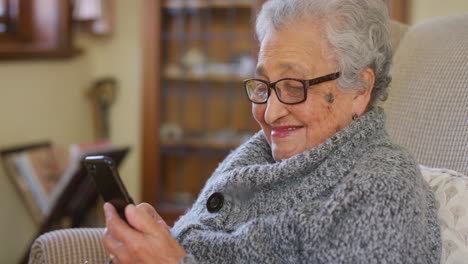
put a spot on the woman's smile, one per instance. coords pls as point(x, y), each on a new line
point(284, 131)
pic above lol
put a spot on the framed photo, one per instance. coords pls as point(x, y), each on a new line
point(37, 171)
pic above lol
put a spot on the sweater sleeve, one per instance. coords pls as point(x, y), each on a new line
point(263, 240)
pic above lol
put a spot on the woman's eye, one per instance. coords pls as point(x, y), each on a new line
point(293, 89)
point(260, 88)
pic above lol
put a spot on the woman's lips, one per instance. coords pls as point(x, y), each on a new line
point(283, 131)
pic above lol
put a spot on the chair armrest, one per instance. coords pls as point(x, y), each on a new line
point(76, 245)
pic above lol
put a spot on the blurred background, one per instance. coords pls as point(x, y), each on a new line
point(163, 78)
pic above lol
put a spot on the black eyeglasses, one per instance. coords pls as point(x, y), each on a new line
point(288, 90)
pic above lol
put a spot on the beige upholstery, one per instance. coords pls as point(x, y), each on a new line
point(76, 245)
point(397, 31)
point(427, 110)
point(428, 101)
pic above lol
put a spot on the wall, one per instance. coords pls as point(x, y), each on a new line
point(39, 100)
point(121, 57)
point(424, 9)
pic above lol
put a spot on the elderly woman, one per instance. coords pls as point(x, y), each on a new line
point(321, 182)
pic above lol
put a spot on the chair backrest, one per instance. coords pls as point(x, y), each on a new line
point(427, 109)
point(397, 32)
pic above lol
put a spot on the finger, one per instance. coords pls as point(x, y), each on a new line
point(164, 226)
point(154, 214)
point(110, 242)
point(113, 247)
point(141, 220)
point(117, 227)
point(150, 210)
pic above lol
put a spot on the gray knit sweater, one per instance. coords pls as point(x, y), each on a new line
point(356, 198)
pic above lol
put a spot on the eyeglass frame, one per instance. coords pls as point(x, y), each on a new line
point(306, 84)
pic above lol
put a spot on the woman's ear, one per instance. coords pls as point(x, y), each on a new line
point(362, 97)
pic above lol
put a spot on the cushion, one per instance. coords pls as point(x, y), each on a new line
point(451, 192)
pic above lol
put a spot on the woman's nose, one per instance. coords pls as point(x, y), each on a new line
point(275, 109)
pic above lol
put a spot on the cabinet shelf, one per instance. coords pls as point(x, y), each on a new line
point(206, 94)
point(199, 4)
point(171, 211)
point(234, 78)
point(206, 36)
point(200, 144)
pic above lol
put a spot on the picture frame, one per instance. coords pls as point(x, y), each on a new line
point(29, 186)
point(41, 172)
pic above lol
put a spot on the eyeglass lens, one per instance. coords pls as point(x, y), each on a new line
point(288, 91)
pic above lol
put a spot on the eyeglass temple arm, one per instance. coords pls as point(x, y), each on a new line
point(329, 77)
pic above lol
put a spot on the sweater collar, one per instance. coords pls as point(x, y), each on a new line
point(252, 164)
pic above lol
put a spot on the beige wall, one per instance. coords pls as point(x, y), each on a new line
point(424, 9)
point(45, 100)
point(121, 57)
point(40, 100)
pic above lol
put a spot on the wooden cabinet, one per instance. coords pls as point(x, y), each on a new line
point(195, 109)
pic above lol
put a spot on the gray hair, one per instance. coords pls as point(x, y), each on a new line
point(356, 31)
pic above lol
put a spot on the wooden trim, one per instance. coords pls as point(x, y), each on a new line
point(20, 53)
point(151, 118)
point(399, 10)
point(19, 20)
point(25, 20)
point(64, 22)
point(206, 4)
point(42, 31)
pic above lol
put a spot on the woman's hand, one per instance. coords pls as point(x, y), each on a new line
point(146, 239)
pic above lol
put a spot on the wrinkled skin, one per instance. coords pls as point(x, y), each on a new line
point(146, 239)
point(293, 129)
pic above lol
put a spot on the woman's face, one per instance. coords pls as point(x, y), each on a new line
point(293, 129)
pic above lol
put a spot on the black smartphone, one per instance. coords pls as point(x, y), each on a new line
point(108, 182)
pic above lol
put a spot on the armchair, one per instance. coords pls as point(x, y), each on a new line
point(427, 112)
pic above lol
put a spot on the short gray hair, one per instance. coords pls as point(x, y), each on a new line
point(356, 31)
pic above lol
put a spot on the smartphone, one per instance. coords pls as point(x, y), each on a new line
point(108, 182)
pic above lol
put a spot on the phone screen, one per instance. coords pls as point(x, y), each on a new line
point(108, 182)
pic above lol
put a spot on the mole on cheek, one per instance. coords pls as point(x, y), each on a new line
point(329, 97)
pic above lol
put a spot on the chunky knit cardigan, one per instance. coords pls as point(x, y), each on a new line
point(356, 198)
